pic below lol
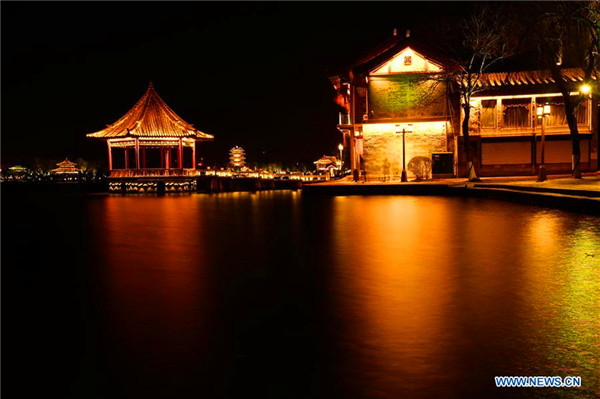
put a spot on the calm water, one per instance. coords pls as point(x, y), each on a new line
point(282, 295)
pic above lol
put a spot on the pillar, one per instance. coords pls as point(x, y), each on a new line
point(137, 153)
point(180, 155)
point(126, 158)
point(143, 158)
point(168, 158)
point(194, 155)
point(109, 155)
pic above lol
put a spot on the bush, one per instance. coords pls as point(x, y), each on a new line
point(420, 167)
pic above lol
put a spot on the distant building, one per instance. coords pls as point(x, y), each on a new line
point(66, 167)
point(17, 172)
point(328, 164)
point(237, 157)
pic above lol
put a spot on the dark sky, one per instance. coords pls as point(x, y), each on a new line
point(251, 74)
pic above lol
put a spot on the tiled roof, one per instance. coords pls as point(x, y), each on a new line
point(66, 164)
point(528, 77)
point(151, 117)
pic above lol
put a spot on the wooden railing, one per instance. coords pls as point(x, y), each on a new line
point(152, 172)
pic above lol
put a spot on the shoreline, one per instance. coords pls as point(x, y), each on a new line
point(581, 196)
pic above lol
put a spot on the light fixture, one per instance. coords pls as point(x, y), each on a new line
point(409, 128)
point(546, 109)
point(540, 111)
point(340, 147)
point(585, 89)
point(398, 128)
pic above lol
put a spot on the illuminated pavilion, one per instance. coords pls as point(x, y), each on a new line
point(66, 167)
point(152, 126)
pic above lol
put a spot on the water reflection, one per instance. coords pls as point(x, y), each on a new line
point(437, 293)
point(343, 296)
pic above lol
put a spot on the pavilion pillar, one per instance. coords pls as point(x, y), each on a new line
point(126, 157)
point(168, 158)
point(109, 155)
point(180, 155)
point(137, 153)
point(194, 155)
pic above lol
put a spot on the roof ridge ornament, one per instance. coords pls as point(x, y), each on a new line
point(151, 85)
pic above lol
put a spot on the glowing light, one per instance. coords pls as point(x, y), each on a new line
point(585, 89)
point(340, 147)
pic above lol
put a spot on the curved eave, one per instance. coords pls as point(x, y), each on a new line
point(195, 134)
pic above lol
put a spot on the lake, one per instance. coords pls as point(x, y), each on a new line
point(276, 294)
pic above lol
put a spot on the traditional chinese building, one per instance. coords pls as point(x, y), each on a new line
point(329, 164)
point(237, 157)
point(66, 167)
point(154, 145)
point(388, 96)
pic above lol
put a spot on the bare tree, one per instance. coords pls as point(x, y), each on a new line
point(568, 34)
point(473, 44)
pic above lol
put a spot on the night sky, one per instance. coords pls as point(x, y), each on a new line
point(251, 74)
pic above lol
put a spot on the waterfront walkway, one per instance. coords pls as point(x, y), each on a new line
point(559, 191)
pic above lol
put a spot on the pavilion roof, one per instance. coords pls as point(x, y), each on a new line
point(327, 159)
point(66, 164)
point(151, 117)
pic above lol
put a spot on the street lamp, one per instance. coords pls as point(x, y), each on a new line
point(341, 148)
point(542, 113)
point(408, 129)
point(585, 89)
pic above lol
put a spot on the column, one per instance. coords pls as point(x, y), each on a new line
point(180, 155)
point(194, 155)
point(109, 155)
point(126, 158)
point(168, 158)
point(137, 153)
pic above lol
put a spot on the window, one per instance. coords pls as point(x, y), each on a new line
point(558, 116)
point(408, 60)
point(517, 113)
point(488, 114)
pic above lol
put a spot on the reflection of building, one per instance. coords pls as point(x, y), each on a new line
point(157, 137)
point(237, 157)
point(159, 140)
point(328, 164)
point(65, 167)
point(391, 90)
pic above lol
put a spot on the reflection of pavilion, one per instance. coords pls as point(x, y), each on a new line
point(157, 137)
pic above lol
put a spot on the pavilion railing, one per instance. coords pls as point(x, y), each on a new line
point(152, 172)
